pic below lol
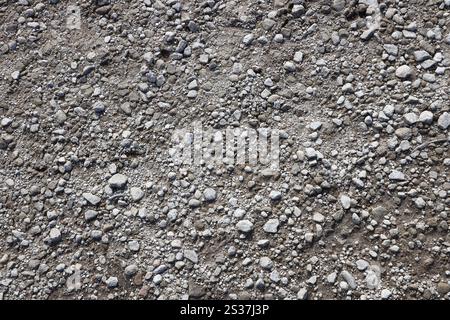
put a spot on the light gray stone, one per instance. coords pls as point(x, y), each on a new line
point(244, 226)
point(345, 201)
point(92, 199)
point(210, 195)
point(348, 277)
point(118, 181)
point(397, 175)
point(426, 117)
point(191, 255)
point(403, 72)
point(271, 226)
point(444, 121)
point(136, 194)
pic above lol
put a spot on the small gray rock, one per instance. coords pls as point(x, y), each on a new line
point(396, 175)
point(133, 245)
point(421, 55)
point(55, 236)
point(131, 270)
point(191, 255)
point(194, 203)
point(348, 277)
point(426, 117)
point(271, 226)
point(403, 72)
point(310, 153)
point(385, 294)
point(345, 202)
point(275, 195)
point(136, 194)
point(362, 264)
point(318, 217)
point(247, 39)
point(92, 199)
point(403, 133)
point(244, 226)
point(298, 57)
point(338, 5)
point(15, 75)
point(391, 49)
point(99, 107)
point(266, 263)
point(316, 125)
point(90, 215)
point(210, 195)
point(444, 121)
point(112, 282)
point(302, 294)
point(410, 118)
point(118, 181)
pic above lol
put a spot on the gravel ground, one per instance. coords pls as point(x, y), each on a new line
point(92, 205)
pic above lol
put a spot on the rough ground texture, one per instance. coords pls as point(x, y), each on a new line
point(93, 207)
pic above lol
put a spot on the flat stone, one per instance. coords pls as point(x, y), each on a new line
point(403, 133)
point(316, 125)
point(348, 277)
point(244, 226)
point(157, 279)
point(421, 55)
point(310, 153)
point(444, 121)
point(92, 199)
point(271, 226)
point(289, 66)
point(331, 278)
point(191, 255)
point(60, 116)
point(196, 291)
point(90, 215)
point(420, 203)
point(204, 58)
point(118, 181)
point(391, 49)
point(396, 175)
point(268, 24)
point(192, 94)
point(317, 217)
point(6, 122)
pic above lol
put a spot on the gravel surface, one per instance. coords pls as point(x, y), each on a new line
point(92, 205)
